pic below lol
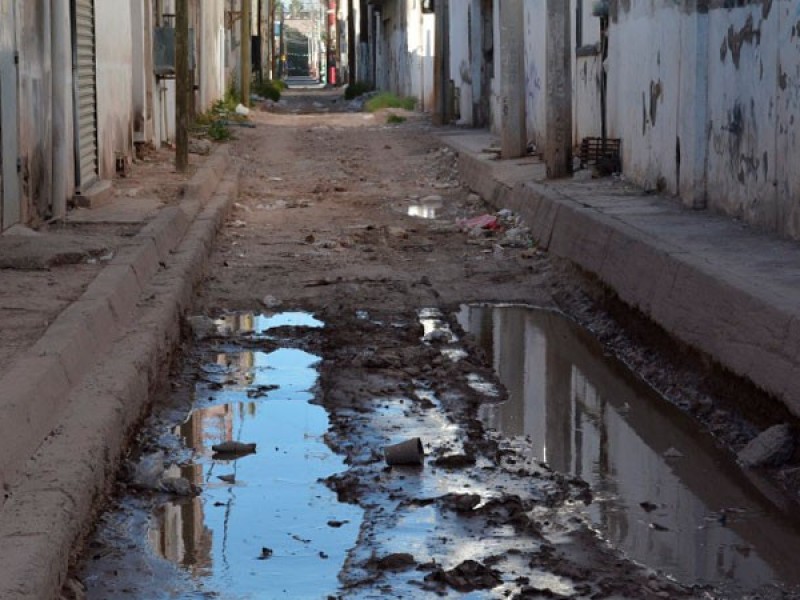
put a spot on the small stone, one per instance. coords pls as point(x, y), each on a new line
point(337, 524)
point(461, 502)
point(265, 553)
point(270, 301)
point(672, 453)
point(234, 448)
point(399, 561)
point(201, 147)
point(177, 486)
point(771, 448)
point(202, 327)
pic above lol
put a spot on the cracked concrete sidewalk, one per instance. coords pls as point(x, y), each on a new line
point(724, 288)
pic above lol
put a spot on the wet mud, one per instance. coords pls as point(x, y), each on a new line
point(345, 292)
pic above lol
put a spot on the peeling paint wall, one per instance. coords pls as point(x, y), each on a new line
point(717, 88)
point(645, 61)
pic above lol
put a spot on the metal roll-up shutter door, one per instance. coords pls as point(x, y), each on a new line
point(85, 94)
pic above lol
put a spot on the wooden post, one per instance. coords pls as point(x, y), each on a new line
point(246, 51)
point(182, 84)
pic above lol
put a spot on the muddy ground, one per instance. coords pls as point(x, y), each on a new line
point(323, 226)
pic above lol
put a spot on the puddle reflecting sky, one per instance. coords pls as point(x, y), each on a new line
point(588, 416)
point(243, 323)
point(276, 502)
point(425, 210)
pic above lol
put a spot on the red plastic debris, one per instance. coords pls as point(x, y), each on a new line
point(482, 222)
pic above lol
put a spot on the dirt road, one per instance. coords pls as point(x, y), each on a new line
point(352, 220)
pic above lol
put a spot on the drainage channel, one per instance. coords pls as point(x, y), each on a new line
point(264, 526)
point(664, 492)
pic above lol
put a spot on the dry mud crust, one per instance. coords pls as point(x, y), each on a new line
point(479, 514)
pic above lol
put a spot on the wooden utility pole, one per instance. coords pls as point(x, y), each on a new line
point(246, 51)
point(182, 85)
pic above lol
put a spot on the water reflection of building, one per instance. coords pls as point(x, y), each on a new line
point(587, 416)
point(236, 323)
point(178, 532)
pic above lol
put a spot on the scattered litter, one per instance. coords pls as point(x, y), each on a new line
point(232, 449)
point(241, 109)
point(227, 478)
point(485, 221)
point(673, 453)
point(409, 452)
point(265, 553)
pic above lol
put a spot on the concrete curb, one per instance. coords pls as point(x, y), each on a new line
point(748, 327)
point(87, 381)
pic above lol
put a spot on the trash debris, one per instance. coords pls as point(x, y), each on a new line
point(648, 506)
point(485, 221)
point(231, 450)
point(409, 452)
point(265, 553)
point(672, 453)
point(241, 109)
point(227, 478)
point(337, 524)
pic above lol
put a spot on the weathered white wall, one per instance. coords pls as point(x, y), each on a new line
point(535, 71)
point(495, 99)
point(114, 83)
point(35, 106)
point(715, 96)
point(419, 47)
point(460, 62)
point(644, 66)
point(404, 57)
point(210, 53)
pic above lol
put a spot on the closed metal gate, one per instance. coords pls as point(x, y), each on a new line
point(85, 83)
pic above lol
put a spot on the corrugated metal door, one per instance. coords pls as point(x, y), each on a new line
point(10, 208)
point(85, 81)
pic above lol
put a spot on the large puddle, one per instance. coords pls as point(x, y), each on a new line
point(664, 493)
point(265, 526)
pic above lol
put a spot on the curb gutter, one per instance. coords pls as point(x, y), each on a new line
point(68, 404)
point(751, 327)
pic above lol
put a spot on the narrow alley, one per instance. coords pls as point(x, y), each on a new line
point(352, 303)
